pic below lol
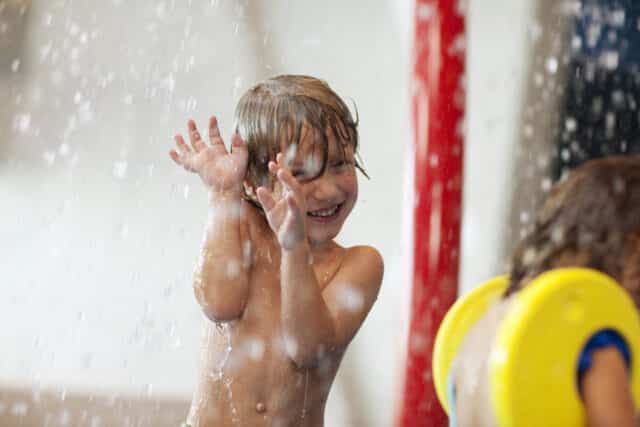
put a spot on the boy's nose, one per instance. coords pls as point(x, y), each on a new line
point(325, 190)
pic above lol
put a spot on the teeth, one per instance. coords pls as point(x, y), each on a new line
point(324, 212)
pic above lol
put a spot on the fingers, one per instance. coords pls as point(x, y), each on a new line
point(182, 146)
point(214, 130)
point(184, 157)
point(276, 166)
point(292, 203)
point(194, 137)
point(239, 149)
point(214, 137)
point(175, 157)
point(265, 198)
point(273, 168)
point(285, 177)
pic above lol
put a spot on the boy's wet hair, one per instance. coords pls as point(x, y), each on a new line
point(592, 216)
point(274, 114)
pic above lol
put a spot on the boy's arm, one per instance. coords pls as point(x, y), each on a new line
point(221, 281)
point(316, 322)
point(221, 276)
point(606, 391)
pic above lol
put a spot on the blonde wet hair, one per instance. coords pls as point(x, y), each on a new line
point(274, 114)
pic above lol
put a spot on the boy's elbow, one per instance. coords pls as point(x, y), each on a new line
point(221, 314)
point(219, 307)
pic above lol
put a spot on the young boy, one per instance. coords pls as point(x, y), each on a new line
point(282, 299)
point(591, 219)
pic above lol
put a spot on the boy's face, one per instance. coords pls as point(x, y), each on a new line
point(331, 194)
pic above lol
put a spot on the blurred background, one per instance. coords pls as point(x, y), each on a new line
point(99, 230)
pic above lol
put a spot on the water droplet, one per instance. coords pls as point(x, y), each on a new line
point(49, 157)
point(350, 299)
point(22, 122)
point(617, 18)
point(120, 169)
point(63, 149)
point(290, 345)
point(609, 59)
point(73, 29)
point(96, 421)
point(255, 348)
point(570, 124)
point(528, 131)
point(576, 42)
point(538, 79)
point(535, 31)
point(160, 10)
point(557, 235)
point(19, 409)
point(419, 343)
point(65, 417)
point(290, 153)
point(232, 268)
point(552, 65)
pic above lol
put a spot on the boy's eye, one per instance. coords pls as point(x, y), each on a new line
point(341, 164)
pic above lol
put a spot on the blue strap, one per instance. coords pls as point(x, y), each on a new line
point(451, 395)
point(602, 339)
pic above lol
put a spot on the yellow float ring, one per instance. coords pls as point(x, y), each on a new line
point(534, 361)
point(462, 315)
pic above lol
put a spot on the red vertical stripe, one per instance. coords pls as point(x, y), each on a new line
point(438, 109)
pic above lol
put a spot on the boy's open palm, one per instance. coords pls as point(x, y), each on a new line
point(286, 216)
point(220, 170)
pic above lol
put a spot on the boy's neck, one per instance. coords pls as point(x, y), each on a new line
point(322, 250)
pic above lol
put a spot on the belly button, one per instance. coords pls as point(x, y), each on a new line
point(260, 408)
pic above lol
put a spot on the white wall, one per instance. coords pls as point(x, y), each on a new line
point(501, 35)
point(100, 230)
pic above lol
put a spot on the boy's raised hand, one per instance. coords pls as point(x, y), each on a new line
point(287, 215)
point(220, 170)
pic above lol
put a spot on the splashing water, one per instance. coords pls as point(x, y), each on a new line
point(218, 374)
point(350, 299)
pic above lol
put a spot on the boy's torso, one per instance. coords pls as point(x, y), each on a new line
point(245, 376)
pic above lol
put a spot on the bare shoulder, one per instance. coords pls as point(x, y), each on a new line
point(353, 290)
point(363, 265)
point(365, 256)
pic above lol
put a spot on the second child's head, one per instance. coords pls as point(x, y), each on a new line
point(591, 219)
point(305, 120)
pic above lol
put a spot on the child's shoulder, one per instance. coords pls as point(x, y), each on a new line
point(365, 260)
point(364, 253)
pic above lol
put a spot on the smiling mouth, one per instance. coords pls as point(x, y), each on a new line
point(326, 215)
